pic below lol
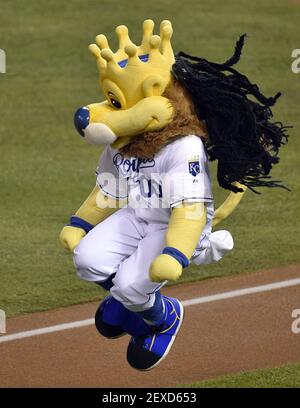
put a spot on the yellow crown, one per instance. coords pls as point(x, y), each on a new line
point(133, 70)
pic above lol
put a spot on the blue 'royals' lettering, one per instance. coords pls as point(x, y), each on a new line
point(134, 165)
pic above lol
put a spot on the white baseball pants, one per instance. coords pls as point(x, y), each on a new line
point(125, 245)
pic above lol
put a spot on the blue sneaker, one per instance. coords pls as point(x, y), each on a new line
point(146, 352)
point(113, 320)
point(112, 330)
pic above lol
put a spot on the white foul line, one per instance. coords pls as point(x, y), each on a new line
point(46, 330)
point(189, 302)
point(242, 292)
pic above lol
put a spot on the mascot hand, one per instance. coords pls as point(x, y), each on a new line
point(165, 267)
point(71, 236)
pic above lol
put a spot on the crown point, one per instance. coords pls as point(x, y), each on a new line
point(123, 36)
point(166, 30)
point(131, 50)
point(95, 50)
point(155, 41)
point(166, 23)
point(107, 54)
point(148, 25)
point(122, 29)
point(101, 41)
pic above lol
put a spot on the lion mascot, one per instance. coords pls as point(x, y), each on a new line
point(151, 212)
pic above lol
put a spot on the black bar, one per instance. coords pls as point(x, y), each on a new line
point(137, 396)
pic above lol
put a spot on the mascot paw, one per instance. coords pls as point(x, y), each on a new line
point(71, 236)
point(165, 267)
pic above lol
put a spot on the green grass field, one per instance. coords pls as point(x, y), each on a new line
point(281, 377)
point(47, 170)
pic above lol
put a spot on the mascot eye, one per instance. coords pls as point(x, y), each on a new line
point(115, 103)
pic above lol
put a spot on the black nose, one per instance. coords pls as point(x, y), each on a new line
point(81, 119)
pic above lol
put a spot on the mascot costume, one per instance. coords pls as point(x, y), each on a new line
point(151, 212)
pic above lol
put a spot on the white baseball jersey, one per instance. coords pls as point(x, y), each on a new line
point(178, 173)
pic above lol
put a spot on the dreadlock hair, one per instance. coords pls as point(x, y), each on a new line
point(241, 136)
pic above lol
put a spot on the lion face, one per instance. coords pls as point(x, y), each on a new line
point(133, 81)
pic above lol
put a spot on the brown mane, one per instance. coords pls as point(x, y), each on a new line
point(185, 122)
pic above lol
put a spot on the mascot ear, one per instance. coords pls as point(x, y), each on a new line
point(154, 85)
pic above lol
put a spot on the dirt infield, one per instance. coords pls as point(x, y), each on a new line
point(218, 336)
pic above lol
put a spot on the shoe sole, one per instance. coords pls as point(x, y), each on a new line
point(170, 344)
point(114, 337)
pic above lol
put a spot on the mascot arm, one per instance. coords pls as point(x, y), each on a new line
point(95, 209)
point(185, 227)
point(229, 205)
